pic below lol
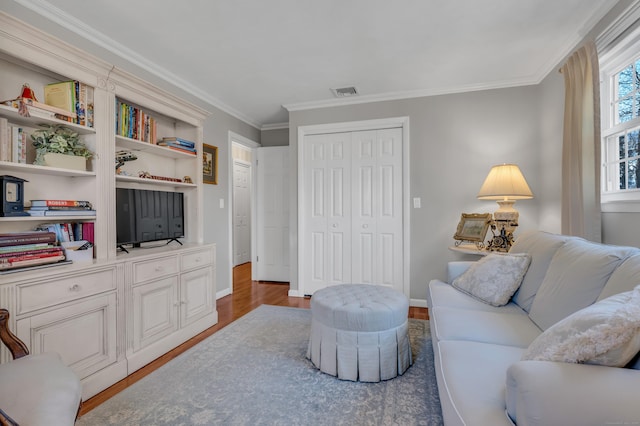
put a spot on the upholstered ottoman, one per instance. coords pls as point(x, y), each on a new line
point(360, 332)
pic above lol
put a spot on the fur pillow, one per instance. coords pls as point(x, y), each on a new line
point(494, 278)
point(605, 333)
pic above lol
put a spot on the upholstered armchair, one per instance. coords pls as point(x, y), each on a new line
point(35, 389)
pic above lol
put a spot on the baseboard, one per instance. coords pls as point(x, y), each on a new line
point(223, 293)
point(295, 293)
point(418, 303)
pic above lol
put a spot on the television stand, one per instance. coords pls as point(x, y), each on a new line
point(174, 239)
point(121, 247)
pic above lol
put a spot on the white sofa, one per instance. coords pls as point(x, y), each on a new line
point(478, 347)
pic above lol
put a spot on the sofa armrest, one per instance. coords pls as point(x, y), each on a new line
point(457, 268)
point(543, 393)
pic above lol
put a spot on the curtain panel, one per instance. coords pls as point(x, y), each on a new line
point(581, 145)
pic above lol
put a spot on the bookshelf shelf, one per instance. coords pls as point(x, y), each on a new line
point(44, 170)
point(135, 145)
point(121, 178)
point(70, 218)
point(12, 115)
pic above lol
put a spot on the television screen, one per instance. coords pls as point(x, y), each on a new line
point(145, 215)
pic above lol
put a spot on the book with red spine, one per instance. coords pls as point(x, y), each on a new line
point(31, 262)
point(61, 203)
point(186, 151)
point(10, 260)
point(13, 254)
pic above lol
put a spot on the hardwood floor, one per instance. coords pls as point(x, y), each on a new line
point(247, 295)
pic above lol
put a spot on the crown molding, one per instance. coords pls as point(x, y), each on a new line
point(52, 13)
point(408, 94)
point(275, 126)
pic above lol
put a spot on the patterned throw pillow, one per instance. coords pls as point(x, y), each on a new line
point(494, 278)
point(605, 333)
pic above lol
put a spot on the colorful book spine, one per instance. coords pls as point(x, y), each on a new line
point(24, 247)
point(182, 149)
point(61, 203)
point(54, 250)
point(32, 261)
point(177, 141)
point(134, 123)
point(69, 212)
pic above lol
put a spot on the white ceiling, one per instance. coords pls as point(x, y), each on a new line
point(251, 57)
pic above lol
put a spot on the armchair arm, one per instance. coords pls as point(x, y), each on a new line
point(16, 346)
point(457, 268)
point(543, 393)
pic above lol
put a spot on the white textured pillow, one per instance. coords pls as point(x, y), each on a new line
point(605, 333)
point(494, 278)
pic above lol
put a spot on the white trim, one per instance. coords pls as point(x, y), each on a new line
point(617, 27)
point(353, 126)
point(222, 293)
point(275, 126)
point(52, 13)
point(418, 303)
point(241, 140)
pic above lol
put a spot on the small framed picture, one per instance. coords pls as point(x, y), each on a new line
point(473, 227)
point(210, 164)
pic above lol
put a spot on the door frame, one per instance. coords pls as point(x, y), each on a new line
point(241, 140)
point(354, 126)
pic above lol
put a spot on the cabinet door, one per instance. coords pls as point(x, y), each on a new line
point(197, 297)
point(83, 333)
point(155, 311)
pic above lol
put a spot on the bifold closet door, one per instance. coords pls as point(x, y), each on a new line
point(352, 195)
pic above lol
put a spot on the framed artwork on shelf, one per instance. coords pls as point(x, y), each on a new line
point(473, 227)
point(210, 164)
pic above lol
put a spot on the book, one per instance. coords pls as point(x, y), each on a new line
point(66, 208)
point(89, 106)
point(80, 212)
point(45, 109)
point(24, 247)
point(61, 95)
point(5, 140)
point(177, 141)
point(18, 145)
point(60, 203)
point(46, 250)
point(20, 238)
point(186, 151)
point(21, 263)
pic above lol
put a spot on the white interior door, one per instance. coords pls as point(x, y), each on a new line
point(272, 211)
point(352, 195)
point(241, 212)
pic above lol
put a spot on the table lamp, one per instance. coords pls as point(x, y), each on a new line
point(505, 184)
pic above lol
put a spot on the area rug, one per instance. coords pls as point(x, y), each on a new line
point(255, 372)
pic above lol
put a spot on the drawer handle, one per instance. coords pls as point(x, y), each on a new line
point(159, 268)
point(198, 259)
point(74, 287)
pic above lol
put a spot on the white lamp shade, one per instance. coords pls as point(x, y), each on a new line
point(505, 182)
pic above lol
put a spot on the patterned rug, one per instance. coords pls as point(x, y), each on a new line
point(255, 372)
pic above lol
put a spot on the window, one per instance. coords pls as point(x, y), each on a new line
point(620, 110)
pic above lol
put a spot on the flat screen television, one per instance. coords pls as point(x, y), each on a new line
point(144, 215)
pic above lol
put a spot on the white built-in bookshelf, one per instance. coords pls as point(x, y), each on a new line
point(99, 305)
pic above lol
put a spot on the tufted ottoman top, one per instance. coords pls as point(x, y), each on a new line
point(359, 307)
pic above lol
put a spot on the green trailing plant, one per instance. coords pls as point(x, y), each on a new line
point(58, 139)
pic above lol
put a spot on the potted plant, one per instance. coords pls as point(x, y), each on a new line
point(59, 146)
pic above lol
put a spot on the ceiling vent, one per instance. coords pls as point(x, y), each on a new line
point(344, 92)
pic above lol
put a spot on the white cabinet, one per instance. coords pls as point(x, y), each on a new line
point(172, 298)
point(72, 312)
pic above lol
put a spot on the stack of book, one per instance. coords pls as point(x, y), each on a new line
point(61, 208)
point(179, 144)
point(70, 231)
point(74, 98)
point(27, 249)
point(134, 123)
point(13, 142)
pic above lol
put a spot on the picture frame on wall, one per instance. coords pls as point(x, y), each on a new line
point(210, 164)
point(473, 227)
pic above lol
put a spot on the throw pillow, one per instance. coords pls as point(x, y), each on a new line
point(605, 333)
point(494, 278)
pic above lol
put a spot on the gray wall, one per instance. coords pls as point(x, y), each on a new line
point(274, 137)
point(454, 141)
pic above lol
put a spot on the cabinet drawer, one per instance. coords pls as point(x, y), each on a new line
point(156, 268)
point(42, 294)
point(196, 259)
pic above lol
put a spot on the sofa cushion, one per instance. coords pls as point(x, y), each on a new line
point(624, 278)
point(605, 333)
point(445, 295)
point(575, 278)
point(471, 379)
point(541, 246)
point(496, 327)
point(494, 278)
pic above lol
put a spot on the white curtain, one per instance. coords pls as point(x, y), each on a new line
point(581, 145)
